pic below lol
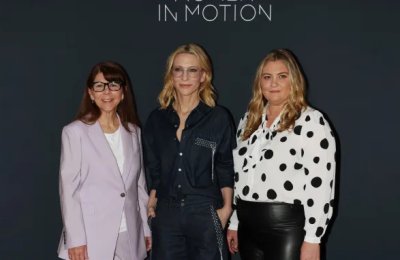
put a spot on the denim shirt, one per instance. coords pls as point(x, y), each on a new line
point(201, 163)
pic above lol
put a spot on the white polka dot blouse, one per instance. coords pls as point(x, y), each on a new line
point(292, 166)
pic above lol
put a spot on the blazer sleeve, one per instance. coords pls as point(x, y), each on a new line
point(69, 188)
point(143, 196)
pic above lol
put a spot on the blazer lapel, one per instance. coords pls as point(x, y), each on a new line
point(103, 148)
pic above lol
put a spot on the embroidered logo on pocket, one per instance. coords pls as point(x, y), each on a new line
point(205, 143)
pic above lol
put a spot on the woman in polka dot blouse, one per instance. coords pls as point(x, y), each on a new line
point(284, 168)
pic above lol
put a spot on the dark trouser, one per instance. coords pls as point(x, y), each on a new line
point(187, 229)
point(272, 231)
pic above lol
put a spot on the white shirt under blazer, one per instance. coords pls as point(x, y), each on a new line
point(292, 166)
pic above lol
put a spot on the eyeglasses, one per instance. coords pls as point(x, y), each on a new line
point(192, 72)
point(99, 86)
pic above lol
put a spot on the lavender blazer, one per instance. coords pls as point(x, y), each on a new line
point(93, 193)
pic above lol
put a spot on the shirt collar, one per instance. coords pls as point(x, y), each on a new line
point(198, 112)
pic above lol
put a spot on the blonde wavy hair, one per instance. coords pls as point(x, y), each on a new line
point(295, 103)
point(206, 91)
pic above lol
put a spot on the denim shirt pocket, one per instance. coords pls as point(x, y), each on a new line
point(204, 150)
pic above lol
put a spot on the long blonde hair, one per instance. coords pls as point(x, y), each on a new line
point(295, 103)
point(206, 92)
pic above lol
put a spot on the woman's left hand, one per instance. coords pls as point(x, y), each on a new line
point(148, 243)
point(224, 214)
point(310, 251)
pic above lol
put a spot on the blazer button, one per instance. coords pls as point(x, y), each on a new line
point(122, 194)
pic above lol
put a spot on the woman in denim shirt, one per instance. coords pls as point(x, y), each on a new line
point(188, 144)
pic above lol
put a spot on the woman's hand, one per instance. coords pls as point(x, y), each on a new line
point(224, 214)
point(310, 251)
point(148, 243)
point(78, 253)
point(152, 204)
point(232, 238)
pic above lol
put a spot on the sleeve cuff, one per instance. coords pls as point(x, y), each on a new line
point(314, 240)
point(233, 222)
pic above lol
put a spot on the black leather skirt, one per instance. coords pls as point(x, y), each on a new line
point(273, 231)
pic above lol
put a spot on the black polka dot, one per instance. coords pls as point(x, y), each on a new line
point(331, 202)
point(302, 152)
point(268, 154)
point(282, 167)
point(297, 129)
point(253, 139)
point(328, 166)
point(326, 208)
point(271, 194)
point(324, 143)
point(316, 159)
point(311, 220)
point(321, 121)
point(283, 139)
point(310, 134)
point(298, 166)
point(307, 118)
point(306, 171)
point(327, 221)
point(267, 136)
point(255, 196)
point(292, 151)
point(261, 158)
point(319, 232)
point(331, 184)
point(304, 187)
point(288, 185)
point(246, 170)
point(245, 190)
point(310, 202)
point(263, 177)
point(236, 177)
point(244, 163)
point(242, 150)
point(238, 133)
point(254, 166)
point(316, 182)
point(297, 202)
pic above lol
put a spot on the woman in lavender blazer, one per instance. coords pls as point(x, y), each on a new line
point(102, 184)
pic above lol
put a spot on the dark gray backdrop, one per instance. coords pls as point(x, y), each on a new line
point(348, 50)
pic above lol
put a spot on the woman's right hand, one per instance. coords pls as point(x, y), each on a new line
point(78, 253)
point(233, 242)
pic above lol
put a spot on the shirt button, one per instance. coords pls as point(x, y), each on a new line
point(180, 154)
point(175, 126)
point(179, 170)
point(122, 195)
point(182, 204)
point(179, 186)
